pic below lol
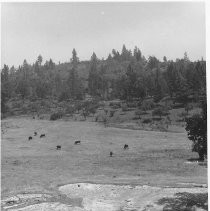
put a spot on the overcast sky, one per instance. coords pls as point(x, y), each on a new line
point(54, 29)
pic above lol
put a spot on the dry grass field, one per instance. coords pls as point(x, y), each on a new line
point(155, 159)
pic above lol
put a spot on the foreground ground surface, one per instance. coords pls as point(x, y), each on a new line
point(154, 167)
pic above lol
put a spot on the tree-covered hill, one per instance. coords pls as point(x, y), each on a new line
point(123, 75)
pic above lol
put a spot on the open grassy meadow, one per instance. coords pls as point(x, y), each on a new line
point(155, 159)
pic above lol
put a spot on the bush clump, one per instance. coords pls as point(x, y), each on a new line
point(147, 105)
point(160, 111)
point(132, 104)
point(70, 110)
point(56, 116)
point(147, 121)
point(63, 96)
point(115, 105)
point(139, 113)
point(111, 113)
point(125, 107)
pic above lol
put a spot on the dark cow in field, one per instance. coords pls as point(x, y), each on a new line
point(58, 147)
point(125, 146)
point(35, 133)
point(42, 135)
point(111, 154)
point(77, 142)
point(29, 138)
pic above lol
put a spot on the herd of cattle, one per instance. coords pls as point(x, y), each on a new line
point(58, 147)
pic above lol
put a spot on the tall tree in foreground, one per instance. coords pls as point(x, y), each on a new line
point(197, 130)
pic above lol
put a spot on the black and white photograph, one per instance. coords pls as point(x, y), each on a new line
point(104, 106)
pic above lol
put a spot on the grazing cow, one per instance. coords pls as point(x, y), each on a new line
point(125, 146)
point(35, 133)
point(111, 153)
point(77, 142)
point(29, 138)
point(42, 135)
point(58, 147)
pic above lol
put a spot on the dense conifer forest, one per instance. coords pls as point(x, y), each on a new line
point(124, 75)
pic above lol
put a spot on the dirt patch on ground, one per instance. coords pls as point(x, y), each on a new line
point(98, 197)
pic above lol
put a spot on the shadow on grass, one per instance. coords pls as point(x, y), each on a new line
point(203, 164)
point(193, 159)
point(185, 202)
point(197, 160)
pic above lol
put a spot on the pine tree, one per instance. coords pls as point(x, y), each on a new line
point(73, 79)
point(109, 58)
point(126, 54)
point(171, 73)
point(186, 58)
point(116, 55)
point(39, 60)
point(23, 80)
point(137, 54)
point(164, 59)
point(158, 95)
point(93, 76)
point(5, 74)
point(51, 64)
point(152, 62)
point(5, 83)
point(74, 59)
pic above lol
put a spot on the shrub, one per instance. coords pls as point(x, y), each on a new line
point(111, 113)
point(146, 121)
point(63, 96)
point(115, 104)
point(136, 118)
point(101, 104)
point(3, 115)
point(92, 109)
point(78, 106)
point(158, 112)
point(139, 113)
point(44, 103)
point(188, 107)
point(69, 110)
point(122, 113)
point(183, 114)
point(147, 105)
point(125, 107)
point(177, 105)
point(132, 104)
point(56, 115)
point(34, 107)
point(180, 120)
point(17, 104)
point(156, 118)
